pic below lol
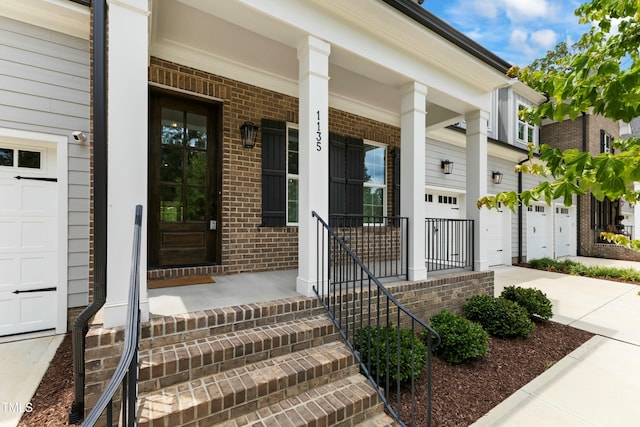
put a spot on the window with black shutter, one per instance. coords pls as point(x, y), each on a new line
point(274, 174)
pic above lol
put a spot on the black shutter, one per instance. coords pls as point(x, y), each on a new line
point(396, 182)
point(355, 176)
point(337, 174)
point(274, 174)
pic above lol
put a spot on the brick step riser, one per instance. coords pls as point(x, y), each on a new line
point(179, 364)
point(163, 331)
point(221, 397)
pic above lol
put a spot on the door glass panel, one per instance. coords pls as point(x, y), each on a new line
point(29, 159)
point(172, 126)
point(197, 167)
point(196, 130)
point(196, 203)
point(171, 203)
point(6, 157)
point(171, 165)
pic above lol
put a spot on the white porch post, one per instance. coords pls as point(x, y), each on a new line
point(127, 152)
point(477, 184)
point(635, 222)
point(412, 161)
point(313, 68)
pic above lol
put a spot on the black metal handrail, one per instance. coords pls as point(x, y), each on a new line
point(126, 373)
point(360, 306)
point(625, 230)
point(449, 243)
point(381, 242)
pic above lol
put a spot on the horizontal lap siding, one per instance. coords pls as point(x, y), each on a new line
point(44, 87)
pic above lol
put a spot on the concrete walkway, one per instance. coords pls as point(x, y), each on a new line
point(23, 363)
point(599, 383)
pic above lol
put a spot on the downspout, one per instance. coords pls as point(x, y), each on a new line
point(80, 325)
point(578, 207)
point(520, 222)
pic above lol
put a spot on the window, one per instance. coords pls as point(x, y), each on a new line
point(292, 176)
point(374, 182)
point(605, 142)
point(526, 131)
point(604, 213)
point(20, 158)
point(357, 175)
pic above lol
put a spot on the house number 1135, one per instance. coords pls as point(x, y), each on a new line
point(318, 134)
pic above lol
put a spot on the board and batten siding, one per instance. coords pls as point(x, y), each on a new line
point(44, 87)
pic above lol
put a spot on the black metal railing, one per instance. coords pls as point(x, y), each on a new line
point(381, 242)
point(366, 314)
point(449, 244)
point(626, 230)
point(126, 373)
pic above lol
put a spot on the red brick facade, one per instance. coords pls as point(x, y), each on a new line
point(569, 134)
point(246, 246)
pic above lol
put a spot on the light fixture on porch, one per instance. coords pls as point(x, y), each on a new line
point(497, 177)
point(447, 166)
point(249, 133)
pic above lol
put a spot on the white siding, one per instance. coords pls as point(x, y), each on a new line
point(437, 151)
point(44, 87)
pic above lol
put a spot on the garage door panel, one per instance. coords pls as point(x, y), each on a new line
point(9, 230)
point(38, 199)
point(9, 197)
point(28, 247)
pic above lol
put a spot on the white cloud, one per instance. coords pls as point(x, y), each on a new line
point(545, 39)
point(518, 37)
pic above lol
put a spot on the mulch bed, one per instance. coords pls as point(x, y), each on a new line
point(464, 393)
point(461, 394)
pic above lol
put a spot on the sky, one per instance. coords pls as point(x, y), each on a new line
point(518, 31)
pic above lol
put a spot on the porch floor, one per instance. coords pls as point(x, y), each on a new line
point(244, 288)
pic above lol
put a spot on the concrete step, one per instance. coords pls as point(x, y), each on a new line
point(247, 389)
point(344, 402)
point(190, 360)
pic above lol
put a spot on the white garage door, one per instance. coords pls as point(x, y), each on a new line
point(496, 247)
point(538, 235)
point(440, 205)
point(28, 243)
point(565, 231)
point(446, 245)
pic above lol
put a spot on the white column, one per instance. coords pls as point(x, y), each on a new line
point(635, 221)
point(412, 161)
point(127, 152)
point(313, 68)
point(477, 175)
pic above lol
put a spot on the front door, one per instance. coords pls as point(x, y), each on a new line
point(183, 182)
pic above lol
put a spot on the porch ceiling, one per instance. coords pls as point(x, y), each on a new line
point(240, 40)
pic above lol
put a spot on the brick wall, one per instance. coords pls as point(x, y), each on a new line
point(246, 246)
point(568, 134)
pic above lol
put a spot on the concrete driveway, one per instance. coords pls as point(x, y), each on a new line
point(599, 383)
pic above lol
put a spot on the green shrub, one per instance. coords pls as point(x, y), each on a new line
point(533, 300)
point(375, 343)
point(498, 316)
point(461, 339)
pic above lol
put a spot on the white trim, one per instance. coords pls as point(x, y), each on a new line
point(448, 190)
point(60, 143)
point(384, 186)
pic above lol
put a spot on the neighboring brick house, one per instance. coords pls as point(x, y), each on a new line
point(594, 133)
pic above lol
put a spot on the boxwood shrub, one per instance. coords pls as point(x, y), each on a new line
point(375, 343)
point(498, 316)
point(533, 300)
point(461, 339)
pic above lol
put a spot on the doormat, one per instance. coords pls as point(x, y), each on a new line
point(179, 281)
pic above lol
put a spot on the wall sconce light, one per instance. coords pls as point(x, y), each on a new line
point(497, 177)
point(249, 133)
point(447, 167)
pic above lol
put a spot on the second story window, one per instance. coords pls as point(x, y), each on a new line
point(526, 131)
point(605, 142)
